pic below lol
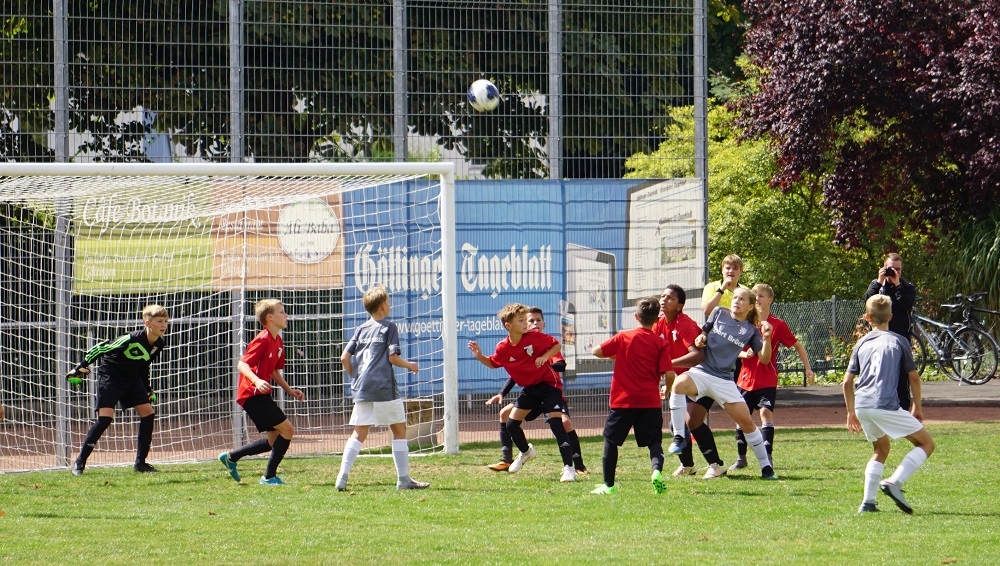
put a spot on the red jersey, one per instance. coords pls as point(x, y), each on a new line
point(264, 354)
point(641, 357)
point(756, 375)
point(519, 359)
point(680, 333)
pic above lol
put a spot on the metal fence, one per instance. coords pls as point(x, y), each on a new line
point(586, 83)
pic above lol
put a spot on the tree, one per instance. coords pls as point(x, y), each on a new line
point(891, 108)
point(785, 238)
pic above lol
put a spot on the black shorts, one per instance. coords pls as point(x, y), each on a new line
point(760, 398)
point(706, 402)
point(127, 394)
point(264, 412)
point(535, 413)
point(542, 396)
point(647, 425)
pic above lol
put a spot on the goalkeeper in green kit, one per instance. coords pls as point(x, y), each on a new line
point(123, 379)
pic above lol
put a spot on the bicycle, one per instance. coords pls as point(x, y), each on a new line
point(963, 353)
point(970, 319)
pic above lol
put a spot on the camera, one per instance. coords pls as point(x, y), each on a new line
point(890, 272)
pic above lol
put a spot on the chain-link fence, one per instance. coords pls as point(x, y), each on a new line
point(585, 83)
point(827, 330)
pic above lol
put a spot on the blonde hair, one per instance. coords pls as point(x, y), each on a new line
point(154, 311)
point(765, 289)
point(753, 317)
point(374, 297)
point(879, 309)
point(508, 312)
point(733, 259)
point(263, 308)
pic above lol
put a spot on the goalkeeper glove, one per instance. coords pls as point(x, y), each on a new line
point(152, 397)
point(77, 376)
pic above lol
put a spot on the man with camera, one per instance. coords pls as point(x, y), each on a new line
point(890, 282)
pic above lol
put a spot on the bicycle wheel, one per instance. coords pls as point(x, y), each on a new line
point(973, 356)
point(919, 349)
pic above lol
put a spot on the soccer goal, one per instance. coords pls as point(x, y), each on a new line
point(84, 247)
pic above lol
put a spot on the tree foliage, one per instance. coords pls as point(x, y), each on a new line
point(785, 238)
point(891, 108)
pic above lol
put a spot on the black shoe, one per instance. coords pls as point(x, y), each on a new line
point(78, 468)
point(144, 468)
point(677, 446)
point(868, 508)
point(893, 491)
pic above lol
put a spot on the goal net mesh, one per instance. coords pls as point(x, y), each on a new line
point(82, 255)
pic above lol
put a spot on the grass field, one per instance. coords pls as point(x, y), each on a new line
point(195, 514)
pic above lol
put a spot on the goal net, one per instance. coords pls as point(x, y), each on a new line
point(83, 248)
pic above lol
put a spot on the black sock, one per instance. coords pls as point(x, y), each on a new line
point(277, 453)
point(656, 456)
point(741, 444)
point(506, 444)
point(145, 439)
point(93, 435)
point(256, 447)
point(574, 441)
point(768, 432)
point(609, 462)
point(706, 443)
point(565, 450)
point(687, 456)
point(517, 435)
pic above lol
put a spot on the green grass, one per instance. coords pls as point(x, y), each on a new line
point(194, 514)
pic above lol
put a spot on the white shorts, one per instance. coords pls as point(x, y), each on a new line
point(724, 391)
point(378, 413)
point(879, 422)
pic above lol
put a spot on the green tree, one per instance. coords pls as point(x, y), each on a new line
point(785, 238)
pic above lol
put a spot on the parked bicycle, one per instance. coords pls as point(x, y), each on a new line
point(969, 311)
point(963, 353)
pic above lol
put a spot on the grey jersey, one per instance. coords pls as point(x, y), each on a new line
point(371, 345)
point(876, 361)
point(727, 337)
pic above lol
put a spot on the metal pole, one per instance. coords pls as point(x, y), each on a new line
point(555, 148)
point(236, 86)
point(400, 65)
point(60, 102)
point(701, 108)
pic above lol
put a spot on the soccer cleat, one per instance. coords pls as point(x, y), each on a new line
point(605, 490)
point(896, 494)
point(659, 486)
point(568, 474)
point(412, 484)
point(271, 481)
point(78, 468)
point(522, 458)
point(341, 483)
point(144, 468)
point(739, 464)
point(683, 470)
point(868, 508)
point(677, 446)
point(714, 471)
point(768, 474)
point(500, 466)
point(230, 465)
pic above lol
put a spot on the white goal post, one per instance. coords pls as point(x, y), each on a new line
point(84, 247)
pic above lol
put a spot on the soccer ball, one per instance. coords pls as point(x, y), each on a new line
point(483, 95)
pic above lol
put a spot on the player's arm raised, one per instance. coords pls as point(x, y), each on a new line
point(477, 351)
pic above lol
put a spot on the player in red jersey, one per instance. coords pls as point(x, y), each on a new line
point(259, 367)
point(525, 356)
point(758, 381)
point(536, 322)
point(642, 360)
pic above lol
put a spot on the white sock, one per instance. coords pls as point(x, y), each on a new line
point(678, 410)
point(911, 463)
point(351, 449)
point(873, 475)
point(401, 456)
point(756, 442)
